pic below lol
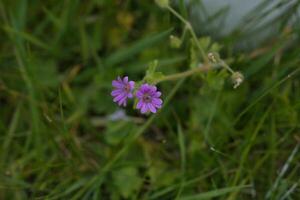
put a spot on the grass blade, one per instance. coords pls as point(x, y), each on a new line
point(215, 193)
point(126, 53)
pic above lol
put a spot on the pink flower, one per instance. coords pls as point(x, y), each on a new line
point(148, 97)
point(123, 89)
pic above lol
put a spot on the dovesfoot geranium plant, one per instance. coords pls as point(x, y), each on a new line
point(203, 58)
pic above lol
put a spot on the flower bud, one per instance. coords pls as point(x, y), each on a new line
point(214, 57)
point(237, 78)
point(162, 3)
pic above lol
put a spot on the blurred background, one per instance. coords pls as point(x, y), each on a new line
point(62, 137)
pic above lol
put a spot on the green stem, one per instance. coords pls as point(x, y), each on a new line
point(224, 64)
point(191, 30)
point(187, 73)
point(175, 13)
point(197, 43)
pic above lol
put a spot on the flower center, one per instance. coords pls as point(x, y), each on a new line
point(147, 98)
point(127, 88)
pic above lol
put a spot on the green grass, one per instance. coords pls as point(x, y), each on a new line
point(209, 141)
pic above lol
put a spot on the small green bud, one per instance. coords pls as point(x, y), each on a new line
point(162, 3)
point(237, 78)
point(214, 57)
point(175, 42)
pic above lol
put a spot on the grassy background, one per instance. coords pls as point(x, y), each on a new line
point(57, 138)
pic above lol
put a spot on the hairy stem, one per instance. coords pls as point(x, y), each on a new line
point(187, 73)
point(191, 30)
point(224, 64)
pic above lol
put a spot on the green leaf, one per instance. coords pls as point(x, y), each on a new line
point(215, 80)
point(151, 75)
point(208, 45)
point(117, 131)
point(175, 42)
point(127, 181)
point(152, 67)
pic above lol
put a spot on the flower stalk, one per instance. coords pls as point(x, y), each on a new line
point(172, 77)
point(190, 29)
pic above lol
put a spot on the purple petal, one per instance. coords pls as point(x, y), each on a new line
point(151, 107)
point(116, 92)
point(157, 94)
point(125, 79)
point(131, 84)
point(122, 100)
point(117, 84)
point(119, 97)
point(139, 94)
point(144, 87)
point(130, 95)
point(156, 101)
point(153, 93)
point(144, 108)
point(153, 88)
point(139, 105)
point(157, 106)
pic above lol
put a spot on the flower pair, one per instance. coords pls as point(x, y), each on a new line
point(147, 95)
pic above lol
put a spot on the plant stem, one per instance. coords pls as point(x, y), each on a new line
point(187, 73)
point(191, 30)
point(175, 13)
point(197, 43)
point(224, 64)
